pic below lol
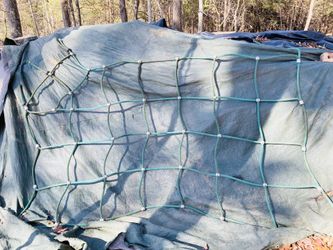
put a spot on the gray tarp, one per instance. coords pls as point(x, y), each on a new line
point(73, 136)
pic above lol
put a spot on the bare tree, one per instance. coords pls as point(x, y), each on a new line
point(162, 14)
point(78, 10)
point(13, 18)
point(71, 10)
point(33, 18)
point(236, 15)
point(226, 12)
point(200, 16)
point(136, 9)
point(107, 8)
point(177, 14)
point(149, 11)
point(46, 14)
point(65, 13)
point(123, 12)
point(310, 14)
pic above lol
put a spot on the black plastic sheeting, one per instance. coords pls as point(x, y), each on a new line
point(161, 23)
point(280, 38)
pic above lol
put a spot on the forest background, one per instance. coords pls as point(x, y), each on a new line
point(41, 17)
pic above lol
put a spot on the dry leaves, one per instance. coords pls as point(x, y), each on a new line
point(59, 229)
point(312, 242)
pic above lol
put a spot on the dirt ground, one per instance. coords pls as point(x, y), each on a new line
point(312, 242)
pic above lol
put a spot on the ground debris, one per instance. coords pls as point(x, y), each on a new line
point(312, 242)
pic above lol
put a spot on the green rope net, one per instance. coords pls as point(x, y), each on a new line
point(214, 101)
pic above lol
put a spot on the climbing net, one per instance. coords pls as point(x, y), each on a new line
point(214, 100)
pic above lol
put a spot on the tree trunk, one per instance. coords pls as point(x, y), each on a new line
point(169, 14)
point(200, 16)
point(123, 12)
point(310, 14)
point(107, 11)
point(52, 19)
point(65, 13)
point(136, 9)
point(162, 14)
point(177, 15)
point(242, 26)
point(47, 16)
point(78, 10)
point(112, 11)
point(50, 16)
point(13, 18)
point(71, 9)
point(33, 18)
point(226, 11)
point(149, 12)
point(236, 16)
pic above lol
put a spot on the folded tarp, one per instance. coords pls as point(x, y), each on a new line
point(147, 138)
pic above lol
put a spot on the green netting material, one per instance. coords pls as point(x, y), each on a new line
point(214, 100)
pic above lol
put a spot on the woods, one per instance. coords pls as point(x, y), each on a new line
point(41, 17)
